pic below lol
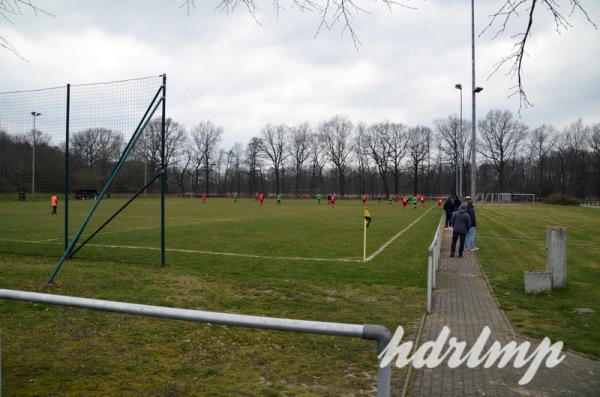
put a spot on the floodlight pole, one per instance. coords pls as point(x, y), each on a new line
point(459, 157)
point(33, 143)
point(474, 91)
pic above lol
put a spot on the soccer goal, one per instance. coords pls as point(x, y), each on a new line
point(509, 198)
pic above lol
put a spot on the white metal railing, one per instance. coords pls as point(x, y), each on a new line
point(372, 332)
point(434, 260)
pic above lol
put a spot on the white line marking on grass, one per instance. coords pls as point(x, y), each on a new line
point(29, 241)
point(229, 254)
point(384, 246)
point(133, 247)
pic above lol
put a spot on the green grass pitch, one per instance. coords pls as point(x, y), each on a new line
point(299, 260)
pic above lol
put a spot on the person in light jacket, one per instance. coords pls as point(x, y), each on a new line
point(471, 234)
point(461, 223)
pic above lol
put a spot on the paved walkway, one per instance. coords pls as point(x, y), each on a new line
point(463, 302)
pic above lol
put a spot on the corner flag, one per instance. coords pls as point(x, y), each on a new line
point(367, 216)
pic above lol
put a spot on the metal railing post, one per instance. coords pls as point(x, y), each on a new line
point(433, 259)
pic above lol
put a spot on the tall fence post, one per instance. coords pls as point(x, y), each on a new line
point(556, 255)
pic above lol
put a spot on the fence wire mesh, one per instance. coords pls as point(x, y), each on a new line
point(66, 141)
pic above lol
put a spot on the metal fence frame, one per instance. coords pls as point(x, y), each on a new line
point(589, 203)
point(433, 261)
point(378, 333)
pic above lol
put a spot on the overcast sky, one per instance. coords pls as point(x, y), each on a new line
point(242, 74)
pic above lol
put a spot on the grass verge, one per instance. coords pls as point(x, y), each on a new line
point(513, 240)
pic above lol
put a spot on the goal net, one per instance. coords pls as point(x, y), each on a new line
point(509, 198)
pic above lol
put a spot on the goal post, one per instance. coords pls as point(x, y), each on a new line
point(509, 198)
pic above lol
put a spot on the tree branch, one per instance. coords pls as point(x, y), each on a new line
point(514, 60)
point(332, 12)
point(12, 8)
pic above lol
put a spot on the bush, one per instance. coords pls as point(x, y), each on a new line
point(561, 199)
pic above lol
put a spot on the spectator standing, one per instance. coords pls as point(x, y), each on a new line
point(457, 203)
point(449, 210)
point(471, 232)
point(461, 223)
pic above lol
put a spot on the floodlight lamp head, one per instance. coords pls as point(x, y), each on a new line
point(458, 86)
point(478, 90)
point(35, 114)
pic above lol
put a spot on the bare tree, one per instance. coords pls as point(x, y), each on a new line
point(541, 145)
point(397, 146)
point(301, 137)
point(221, 170)
point(97, 148)
point(363, 168)
point(455, 142)
point(418, 147)
point(183, 165)
point(377, 140)
point(254, 165)
point(578, 138)
point(501, 138)
point(149, 144)
point(273, 146)
point(235, 158)
point(317, 163)
point(336, 135)
point(206, 136)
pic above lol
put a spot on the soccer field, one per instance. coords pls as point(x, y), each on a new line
point(298, 260)
point(298, 230)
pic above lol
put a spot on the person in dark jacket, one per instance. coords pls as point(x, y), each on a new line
point(457, 203)
point(449, 210)
point(471, 233)
point(461, 223)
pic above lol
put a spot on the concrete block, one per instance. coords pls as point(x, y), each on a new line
point(537, 282)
